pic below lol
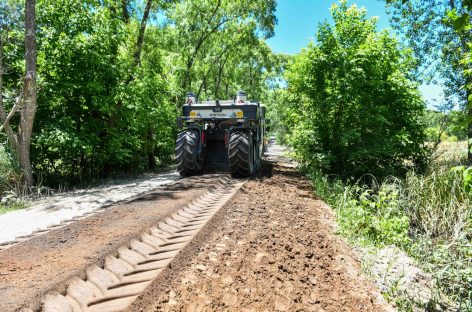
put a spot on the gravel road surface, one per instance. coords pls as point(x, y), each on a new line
point(67, 206)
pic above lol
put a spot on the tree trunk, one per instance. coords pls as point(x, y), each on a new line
point(124, 10)
point(468, 89)
point(469, 125)
point(13, 143)
point(219, 77)
point(142, 30)
point(29, 106)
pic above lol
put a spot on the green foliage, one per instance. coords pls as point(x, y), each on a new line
point(7, 170)
point(97, 112)
point(428, 216)
point(449, 127)
point(218, 47)
point(431, 32)
point(376, 216)
point(100, 111)
point(461, 22)
point(466, 177)
point(11, 207)
point(356, 112)
point(370, 214)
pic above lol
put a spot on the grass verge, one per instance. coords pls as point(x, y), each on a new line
point(427, 216)
point(11, 207)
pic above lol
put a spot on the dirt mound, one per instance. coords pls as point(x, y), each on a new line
point(274, 251)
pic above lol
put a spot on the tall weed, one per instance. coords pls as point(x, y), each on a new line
point(438, 204)
point(6, 170)
point(429, 216)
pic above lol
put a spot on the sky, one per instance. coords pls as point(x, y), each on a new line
point(298, 20)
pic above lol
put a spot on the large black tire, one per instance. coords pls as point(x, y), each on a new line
point(188, 158)
point(257, 160)
point(241, 154)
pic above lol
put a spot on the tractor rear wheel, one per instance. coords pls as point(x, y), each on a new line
point(241, 154)
point(187, 155)
point(257, 160)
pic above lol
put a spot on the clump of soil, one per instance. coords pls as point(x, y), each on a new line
point(275, 250)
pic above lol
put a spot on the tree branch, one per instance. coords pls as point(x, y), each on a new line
point(142, 30)
point(16, 107)
point(3, 116)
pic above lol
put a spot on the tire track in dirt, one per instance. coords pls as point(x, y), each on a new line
point(30, 269)
point(122, 278)
point(273, 249)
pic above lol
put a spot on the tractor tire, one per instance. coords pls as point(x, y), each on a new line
point(241, 154)
point(186, 152)
point(257, 162)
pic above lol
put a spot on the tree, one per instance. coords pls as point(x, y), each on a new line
point(356, 112)
point(433, 32)
point(199, 26)
point(111, 73)
point(26, 102)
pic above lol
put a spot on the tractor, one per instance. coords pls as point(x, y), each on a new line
point(220, 135)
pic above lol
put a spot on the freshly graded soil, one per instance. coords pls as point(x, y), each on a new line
point(273, 248)
point(29, 269)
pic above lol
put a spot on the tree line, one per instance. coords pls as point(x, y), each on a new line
point(352, 105)
point(111, 76)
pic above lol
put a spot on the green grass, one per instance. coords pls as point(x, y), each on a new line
point(428, 216)
point(11, 207)
point(6, 170)
point(9, 182)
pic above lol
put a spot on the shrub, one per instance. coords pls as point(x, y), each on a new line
point(7, 171)
point(357, 111)
point(370, 214)
point(429, 216)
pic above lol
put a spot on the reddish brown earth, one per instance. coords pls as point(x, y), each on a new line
point(273, 248)
point(30, 269)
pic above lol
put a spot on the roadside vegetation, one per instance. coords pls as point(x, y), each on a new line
point(112, 75)
point(394, 172)
point(10, 183)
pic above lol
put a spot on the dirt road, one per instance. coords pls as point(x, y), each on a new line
point(273, 250)
point(272, 247)
point(30, 269)
point(60, 208)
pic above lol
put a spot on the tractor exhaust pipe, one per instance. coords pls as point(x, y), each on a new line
point(191, 99)
point(241, 97)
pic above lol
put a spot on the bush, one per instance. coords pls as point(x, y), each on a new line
point(428, 216)
point(369, 214)
point(357, 111)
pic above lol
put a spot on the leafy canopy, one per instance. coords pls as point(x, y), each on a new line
point(353, 109)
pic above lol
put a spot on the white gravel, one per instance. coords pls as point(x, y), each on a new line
point(66, 206)
point(59, 208)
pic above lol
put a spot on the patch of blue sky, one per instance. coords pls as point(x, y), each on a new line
point(298, 21)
